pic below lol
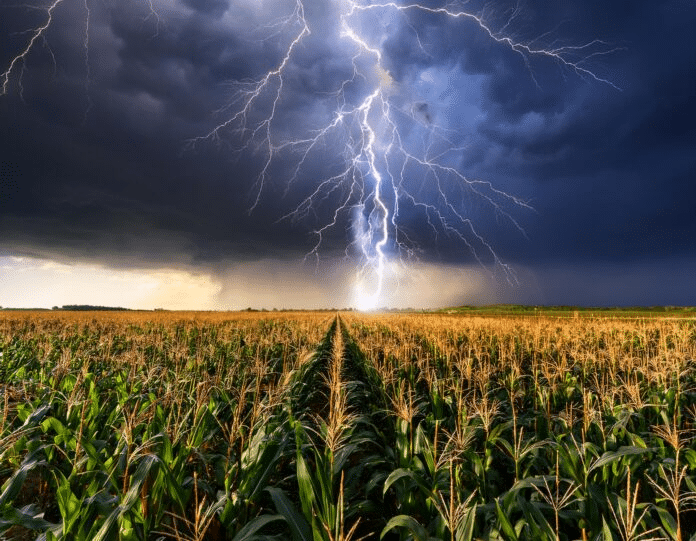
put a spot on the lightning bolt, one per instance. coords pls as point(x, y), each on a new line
point(384, 170)
point(88, 68)
point(381, 168)
point(36, 35)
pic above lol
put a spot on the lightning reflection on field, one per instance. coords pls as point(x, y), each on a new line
point(398, 155)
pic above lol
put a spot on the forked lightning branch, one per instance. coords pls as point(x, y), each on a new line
point(397, 155)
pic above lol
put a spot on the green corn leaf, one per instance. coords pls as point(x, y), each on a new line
point(260, 467)
point(299, 528)
point(14, 484)
point(252, 527)
point(55, 424)
point(146, 466)
point(342, 456)
point(669, 524)
point(304, 480)
point(531, 482)
point(606, 531)
point(541, 529)
point(401, 473)
point(35, 416)
point(29, 517)
point(496, 433)
point(408, 522)
point(611, 456)
point(465, 529)
point(507, 446)
point(126, 530)
point(690, 456)
point(505, 525)
point(422, 446)
point(690, 484)
point(67, 502)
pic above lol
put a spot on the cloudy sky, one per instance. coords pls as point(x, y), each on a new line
point(539, 153)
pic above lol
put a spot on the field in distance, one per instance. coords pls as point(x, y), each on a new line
point(572, 311)
point(327, 426)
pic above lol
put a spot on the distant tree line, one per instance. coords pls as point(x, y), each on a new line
point(88, 308)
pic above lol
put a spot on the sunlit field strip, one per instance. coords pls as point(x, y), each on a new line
point(551, 312)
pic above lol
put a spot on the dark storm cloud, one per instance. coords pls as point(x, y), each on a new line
point(213, 7)
point(113, 179)
point(100, 168)
point(612, 176)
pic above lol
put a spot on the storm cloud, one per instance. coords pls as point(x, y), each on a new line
point(100, 162)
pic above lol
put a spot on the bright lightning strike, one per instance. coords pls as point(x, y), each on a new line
point(396, 159)
point(385, 168)
point(36, 35)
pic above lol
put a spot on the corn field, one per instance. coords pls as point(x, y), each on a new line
point(323, 427)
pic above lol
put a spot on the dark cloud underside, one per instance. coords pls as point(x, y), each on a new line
point(102, 168)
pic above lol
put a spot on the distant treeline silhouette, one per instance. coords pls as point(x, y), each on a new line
point(88, 308)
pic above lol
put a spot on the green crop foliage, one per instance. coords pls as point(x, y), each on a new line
point(317, 427)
